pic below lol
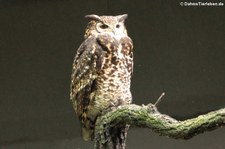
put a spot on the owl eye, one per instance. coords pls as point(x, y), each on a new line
point(117, 26)
point(104, 26)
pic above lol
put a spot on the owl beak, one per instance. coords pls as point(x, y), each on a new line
point(114, 31)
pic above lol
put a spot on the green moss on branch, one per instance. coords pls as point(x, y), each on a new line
point(149, 117)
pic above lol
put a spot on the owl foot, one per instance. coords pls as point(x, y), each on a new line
point(112, 107)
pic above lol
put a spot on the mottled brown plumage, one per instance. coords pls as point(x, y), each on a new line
point(101, 70)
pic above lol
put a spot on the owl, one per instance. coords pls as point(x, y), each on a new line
point(102, 69)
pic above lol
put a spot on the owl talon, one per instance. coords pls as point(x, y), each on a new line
point(112, 104)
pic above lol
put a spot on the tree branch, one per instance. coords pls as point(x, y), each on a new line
point(148, 116)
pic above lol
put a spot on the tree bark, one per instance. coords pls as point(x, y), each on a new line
point(111, 127)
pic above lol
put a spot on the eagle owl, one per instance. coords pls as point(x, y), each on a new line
point(101, 73)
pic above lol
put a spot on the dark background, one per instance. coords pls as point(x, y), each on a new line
point(179, 50)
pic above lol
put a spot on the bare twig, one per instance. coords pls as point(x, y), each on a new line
point(160, 98)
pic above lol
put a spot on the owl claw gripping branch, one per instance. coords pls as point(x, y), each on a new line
point(102, 70)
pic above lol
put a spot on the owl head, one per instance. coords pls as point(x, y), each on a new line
point(106, 24)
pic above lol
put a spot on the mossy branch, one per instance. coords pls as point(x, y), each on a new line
point(149, 117)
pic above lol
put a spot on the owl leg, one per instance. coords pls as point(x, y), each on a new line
point(113, 106)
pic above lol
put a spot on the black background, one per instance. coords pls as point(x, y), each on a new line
point(179, 50)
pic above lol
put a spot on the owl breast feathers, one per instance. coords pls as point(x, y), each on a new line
point(101, 70)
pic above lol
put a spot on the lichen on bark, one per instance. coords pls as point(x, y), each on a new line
point(111, 125)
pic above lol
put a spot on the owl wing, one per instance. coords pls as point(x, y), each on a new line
point(84, 73)
point(127, 48)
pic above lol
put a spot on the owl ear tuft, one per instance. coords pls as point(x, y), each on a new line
point(93, 17)
point(122, 18)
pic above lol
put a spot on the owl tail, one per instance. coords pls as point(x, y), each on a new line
point(87, 133)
